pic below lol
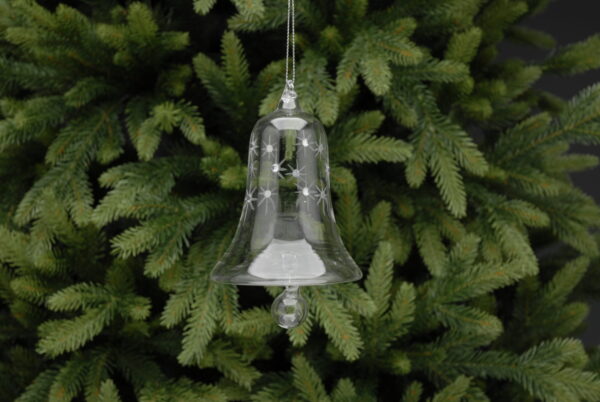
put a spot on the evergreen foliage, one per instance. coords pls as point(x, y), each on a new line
point(123, 130)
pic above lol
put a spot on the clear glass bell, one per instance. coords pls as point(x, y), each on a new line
point(287, 234)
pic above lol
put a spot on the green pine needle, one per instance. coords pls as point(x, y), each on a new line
point(307, 381)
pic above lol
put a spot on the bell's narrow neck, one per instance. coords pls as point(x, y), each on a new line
point(289, 97)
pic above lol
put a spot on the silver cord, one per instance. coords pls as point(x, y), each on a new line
point(291, 22)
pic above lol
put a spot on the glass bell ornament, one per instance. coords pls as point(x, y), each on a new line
point(287, 234)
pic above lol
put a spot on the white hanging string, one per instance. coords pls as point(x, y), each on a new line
point(290, 24)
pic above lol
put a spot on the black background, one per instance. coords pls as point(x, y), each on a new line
point(569, 21)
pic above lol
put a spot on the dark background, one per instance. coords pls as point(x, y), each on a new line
point(569, 21)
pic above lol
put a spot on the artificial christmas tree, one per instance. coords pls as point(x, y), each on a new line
point(123, 135)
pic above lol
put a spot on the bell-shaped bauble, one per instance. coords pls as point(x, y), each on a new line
point(287, 234)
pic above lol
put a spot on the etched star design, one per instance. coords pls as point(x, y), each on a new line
point(251, 167)
point(253, 148)
point(303, 141)
point(267, 196)
point(278, 169)
point(321, 194)
point(268, 148)
point(296, 173)
point(305, 191)
point(305, 194)
point(319, 149)
point(249, 201)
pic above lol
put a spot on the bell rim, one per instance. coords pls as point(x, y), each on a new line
point(357, 275)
